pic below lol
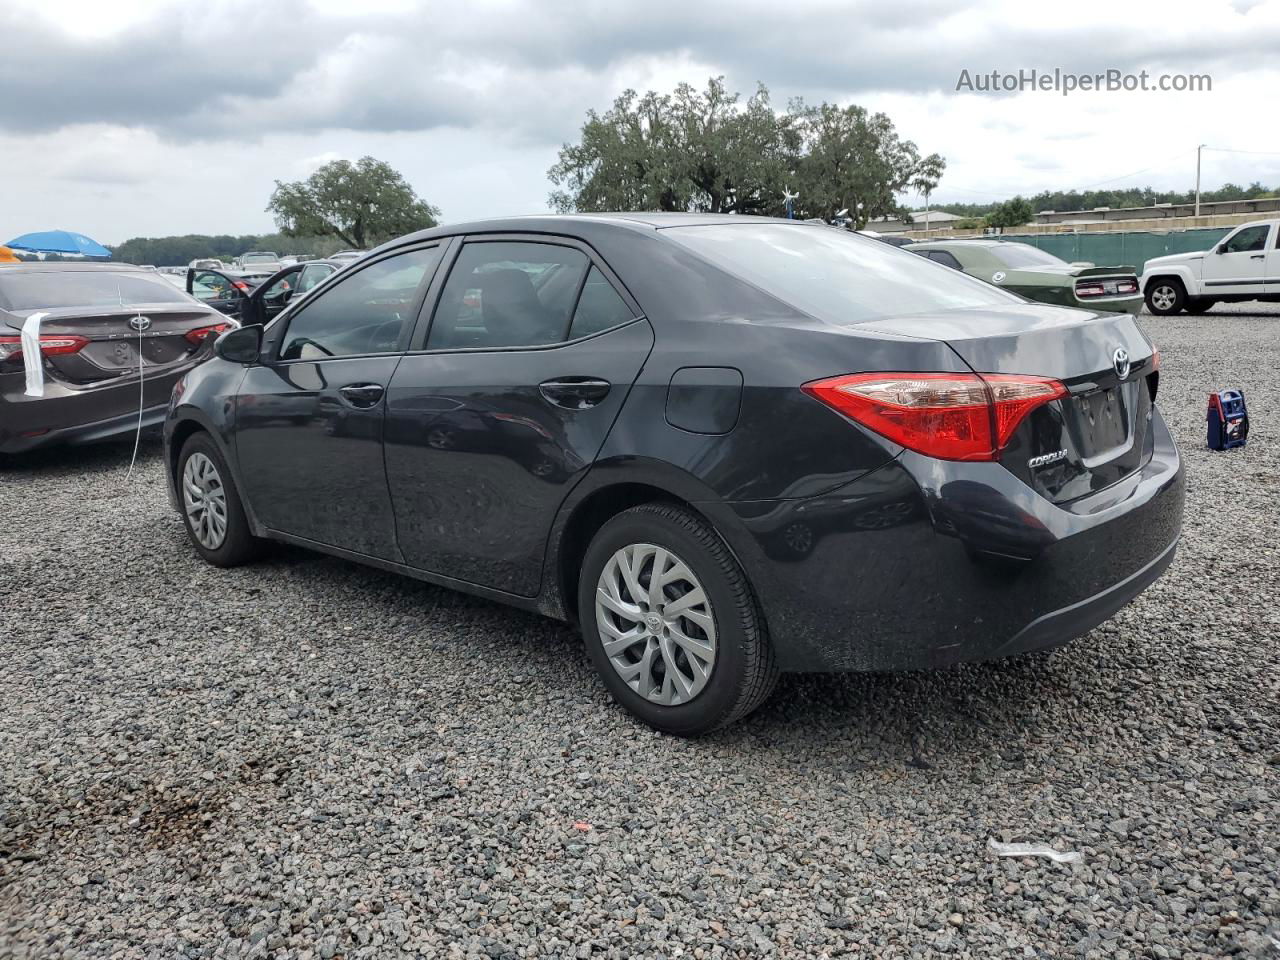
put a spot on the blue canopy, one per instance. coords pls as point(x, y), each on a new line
point(59, 241)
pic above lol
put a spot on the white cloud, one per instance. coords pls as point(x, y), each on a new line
point(144, 119)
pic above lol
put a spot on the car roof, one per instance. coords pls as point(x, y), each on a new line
point(580, 224)
point(66, 266)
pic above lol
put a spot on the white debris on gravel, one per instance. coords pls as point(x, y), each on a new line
point(306, 758)
point(1032, 850)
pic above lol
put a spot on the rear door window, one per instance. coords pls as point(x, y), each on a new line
point(600, 307)
point(312, 274)
point(508, 294)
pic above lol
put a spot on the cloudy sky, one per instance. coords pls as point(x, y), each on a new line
point(148, 118)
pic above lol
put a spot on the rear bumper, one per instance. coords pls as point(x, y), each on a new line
point(68, 415)
point(1131, 304)
point(15, 442)
point(926, 563)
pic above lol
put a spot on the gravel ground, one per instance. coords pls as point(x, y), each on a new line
point(307, 758)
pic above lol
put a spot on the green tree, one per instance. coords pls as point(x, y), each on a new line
point(690, 150)
point(927, 175)
point(1011, 213)
point(854, 160)
point(179, 251)
point(710, 151)
point(359, 203)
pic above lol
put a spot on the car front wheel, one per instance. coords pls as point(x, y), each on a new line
point(671, 623)
point(1165, 297)
point(211, 508)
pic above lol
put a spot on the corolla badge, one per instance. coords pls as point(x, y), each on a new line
point(140, 323)
point(1046, 458)
point(1120, 360)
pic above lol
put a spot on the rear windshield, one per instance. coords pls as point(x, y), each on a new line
point(73, 288)
point(1022, 255)
point(834, 275)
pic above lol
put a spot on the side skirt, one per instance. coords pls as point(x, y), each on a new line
point(462, 586)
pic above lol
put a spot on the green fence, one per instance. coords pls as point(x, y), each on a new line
point(1116, 248)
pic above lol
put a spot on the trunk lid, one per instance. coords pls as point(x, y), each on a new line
point(1094, 437)
point(113, 342)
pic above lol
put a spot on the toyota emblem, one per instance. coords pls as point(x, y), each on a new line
point(1120, 360)
point(140, 323)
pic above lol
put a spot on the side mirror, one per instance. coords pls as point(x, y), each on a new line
point(1222, 248)
point(241, 345)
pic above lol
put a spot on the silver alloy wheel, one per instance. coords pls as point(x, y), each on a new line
point(1164, 297)
point(205, 501)
point(656, 624)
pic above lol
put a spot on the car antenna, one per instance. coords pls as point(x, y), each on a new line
point(137, 433)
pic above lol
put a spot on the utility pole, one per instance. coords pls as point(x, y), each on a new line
point(1198, 149)
point(926, 214)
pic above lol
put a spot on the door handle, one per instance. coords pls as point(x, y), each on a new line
point(1256, 256)
point(574, 393)
point(362, 395)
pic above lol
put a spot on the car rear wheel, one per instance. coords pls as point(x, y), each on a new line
point(1199, 306)
point(671, 623)
point(211, 508)
point(1165, 297)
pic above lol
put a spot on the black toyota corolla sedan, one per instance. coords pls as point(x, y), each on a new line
point(723, 446)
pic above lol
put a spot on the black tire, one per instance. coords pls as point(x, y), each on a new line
point(1165, 296)
point(744, 670)
point(238, 545)
point(1197, 307)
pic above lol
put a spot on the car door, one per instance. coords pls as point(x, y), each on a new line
point(1238, 264)
point(309, 420)
point(503, 402)
point(1272, 267)
point(276, 293)
point(215, 289)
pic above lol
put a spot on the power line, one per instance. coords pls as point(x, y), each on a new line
point(1102, 183)
point(1256, 153)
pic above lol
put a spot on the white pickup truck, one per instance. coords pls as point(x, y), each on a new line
point(1245, 265)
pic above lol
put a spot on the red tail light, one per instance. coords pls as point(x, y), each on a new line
point(200, 334)
point(950, 416)
point(51, 345)
point(1096, 288)
point(240, 285)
